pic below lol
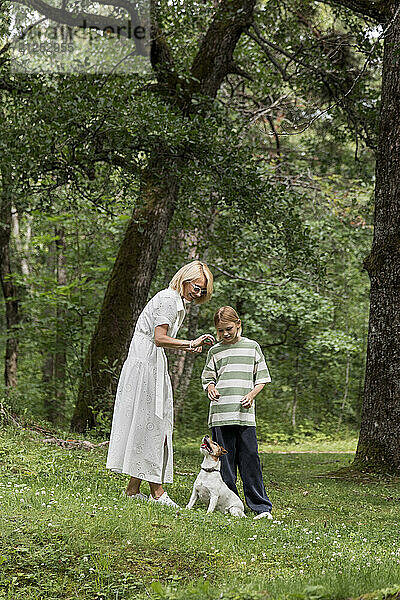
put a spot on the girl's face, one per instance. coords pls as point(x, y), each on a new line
point(195, 288)
point(228, 331)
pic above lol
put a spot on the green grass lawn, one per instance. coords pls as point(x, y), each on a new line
point(68, 532)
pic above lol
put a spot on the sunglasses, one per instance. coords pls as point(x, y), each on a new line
point(197, 289)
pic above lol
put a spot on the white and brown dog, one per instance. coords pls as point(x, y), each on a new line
point(209, 487)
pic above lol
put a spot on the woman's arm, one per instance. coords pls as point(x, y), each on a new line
point(163, 340)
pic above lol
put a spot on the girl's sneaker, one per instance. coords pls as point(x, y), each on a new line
point(165, 500)
point(263, 515)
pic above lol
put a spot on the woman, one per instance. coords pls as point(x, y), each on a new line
point(141, 434)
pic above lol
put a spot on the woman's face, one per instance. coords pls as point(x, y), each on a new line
point(195, 288)
point(228, 331)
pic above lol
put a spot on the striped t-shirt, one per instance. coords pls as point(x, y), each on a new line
point(234, 369)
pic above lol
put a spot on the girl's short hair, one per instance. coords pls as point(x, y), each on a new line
point(226, 314)
point(189, 272)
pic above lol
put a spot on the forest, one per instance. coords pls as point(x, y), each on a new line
point(276, 171)
point(263, 139)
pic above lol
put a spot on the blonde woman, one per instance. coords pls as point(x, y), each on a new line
point(141, 434)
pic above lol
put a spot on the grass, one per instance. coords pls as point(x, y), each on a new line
point(68, 533)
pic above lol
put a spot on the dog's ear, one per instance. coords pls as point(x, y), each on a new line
point(223, 451)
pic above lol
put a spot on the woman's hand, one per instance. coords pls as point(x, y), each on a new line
point(212, 392)
point(205, 339)
point(247, 401)
point(163, 340)
point(194, 350)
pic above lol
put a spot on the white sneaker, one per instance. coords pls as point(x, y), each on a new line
point(263, 515)
point(165, 500)
point(141, 497)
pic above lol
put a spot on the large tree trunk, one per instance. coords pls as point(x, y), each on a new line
point(7, 284)
point(378, 446)
point(126, 293)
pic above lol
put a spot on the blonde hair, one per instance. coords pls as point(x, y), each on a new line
point(189, 272)
point(226, 314)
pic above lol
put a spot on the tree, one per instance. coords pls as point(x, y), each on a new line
point(55, 359)
point(378, 446)
point(137, 257)
point(6, 277)
point(106, 136)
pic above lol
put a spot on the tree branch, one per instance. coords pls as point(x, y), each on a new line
point(160, 53)
point(339, 96)
point(378, 10)
point(214, 58)
point(264, 43)
point(235, 69)
point(233, 276)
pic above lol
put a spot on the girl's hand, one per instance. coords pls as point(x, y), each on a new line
point(206, 339)
point(213, 393)
point(247, 401)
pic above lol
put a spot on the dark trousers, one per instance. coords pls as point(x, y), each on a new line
point(240, 441)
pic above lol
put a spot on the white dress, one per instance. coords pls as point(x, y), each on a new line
point(143, 410)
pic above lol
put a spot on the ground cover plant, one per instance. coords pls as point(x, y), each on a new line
point(68, 532)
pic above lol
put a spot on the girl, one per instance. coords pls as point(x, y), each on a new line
point(235, 372)
point(141, 434)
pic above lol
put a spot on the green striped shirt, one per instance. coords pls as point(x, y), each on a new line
point(234, 369)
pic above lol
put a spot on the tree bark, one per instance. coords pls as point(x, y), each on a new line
point(136, 261)
point(215, 57)
point(7, 284)
point(346, 392)
point(22, 248)
point(378, 445)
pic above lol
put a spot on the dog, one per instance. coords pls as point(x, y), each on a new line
point(209, 487)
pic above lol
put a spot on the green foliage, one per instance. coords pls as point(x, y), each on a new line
point(288, 217)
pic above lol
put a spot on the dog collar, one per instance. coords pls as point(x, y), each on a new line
point(209, 470)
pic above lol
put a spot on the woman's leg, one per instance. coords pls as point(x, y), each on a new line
point(133, 486)
point(156, 490)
